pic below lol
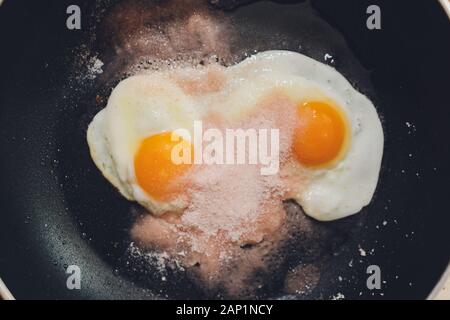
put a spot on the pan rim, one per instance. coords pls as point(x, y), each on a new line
point(444, 3)
point(438, 292)
point(5, 294)
point(439, 288)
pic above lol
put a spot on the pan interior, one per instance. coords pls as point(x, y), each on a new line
point(65, 213)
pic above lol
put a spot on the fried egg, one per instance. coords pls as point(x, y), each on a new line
point(130, 139)
point(337, 145)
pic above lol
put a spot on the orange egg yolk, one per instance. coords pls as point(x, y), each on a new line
point(155, 170)
point(321, 136)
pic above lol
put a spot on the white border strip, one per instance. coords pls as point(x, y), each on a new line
point(5, 294)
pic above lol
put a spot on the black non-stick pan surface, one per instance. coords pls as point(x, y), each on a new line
point(57, 210)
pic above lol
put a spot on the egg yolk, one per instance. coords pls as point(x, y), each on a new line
point(155, 170)
point(321, 135)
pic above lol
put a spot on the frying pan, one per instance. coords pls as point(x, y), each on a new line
point(56, 210)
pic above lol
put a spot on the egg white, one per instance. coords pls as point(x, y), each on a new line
point(152, 103)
